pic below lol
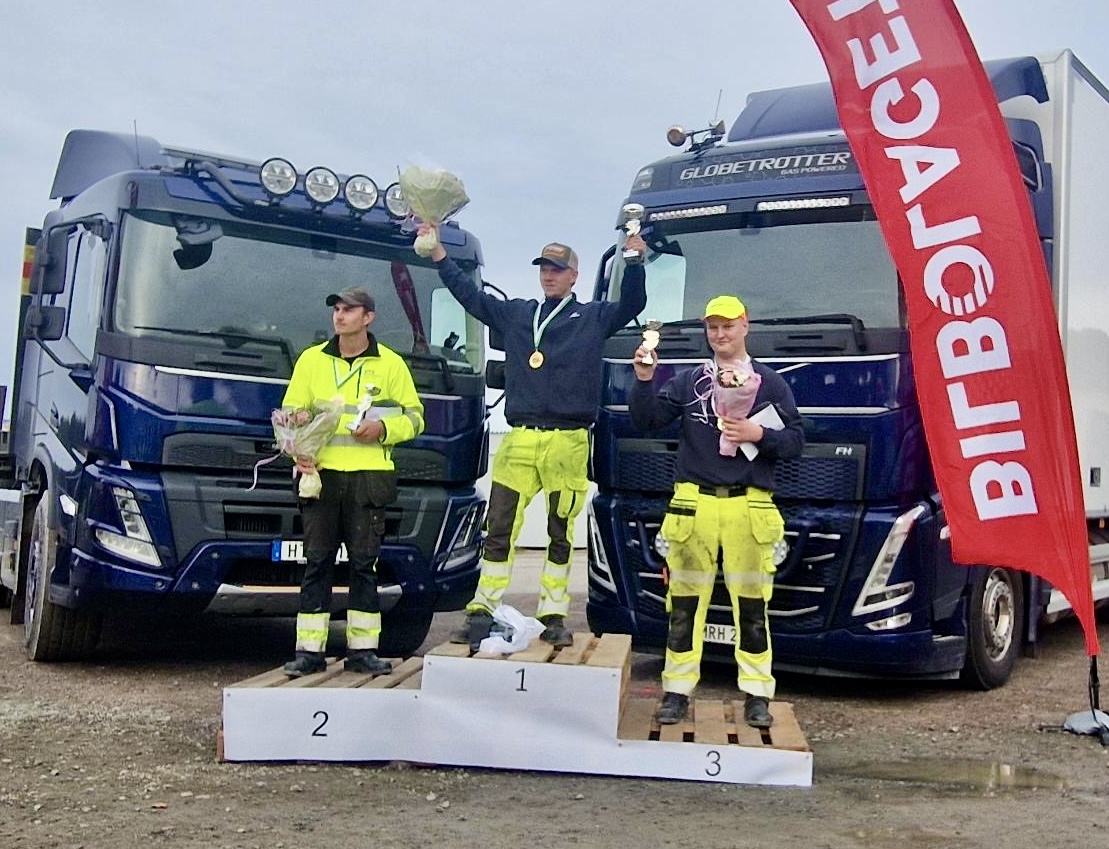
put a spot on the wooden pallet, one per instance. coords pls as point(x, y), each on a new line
point(715, 722)
point(562, 710)
point(406, 675)
point(609, 650)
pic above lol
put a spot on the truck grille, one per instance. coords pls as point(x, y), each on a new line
point(821, 475)
point(823, 472)
point(219, 451)
point(805, 587)
point(646, 465)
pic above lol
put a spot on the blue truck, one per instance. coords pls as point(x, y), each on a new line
point(777, 212)
point(164, 303)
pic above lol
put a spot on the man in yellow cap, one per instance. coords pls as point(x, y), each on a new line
point(553, 369)
point(722, 502)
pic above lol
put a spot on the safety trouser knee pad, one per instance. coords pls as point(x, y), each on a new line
point(683, 610)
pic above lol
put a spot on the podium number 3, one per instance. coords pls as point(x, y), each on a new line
point(714, 767)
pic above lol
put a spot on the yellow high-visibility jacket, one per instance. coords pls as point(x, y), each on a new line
point(321, 374)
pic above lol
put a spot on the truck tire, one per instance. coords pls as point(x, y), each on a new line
point(995, 623)
point(18, 609)
point(52, 632)
point(403, 632)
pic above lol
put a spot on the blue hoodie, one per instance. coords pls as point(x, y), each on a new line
point(565, 391)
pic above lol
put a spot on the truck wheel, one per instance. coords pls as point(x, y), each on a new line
point(403, 632)
point(994, 628)
point(17, 612)
point(50, 631)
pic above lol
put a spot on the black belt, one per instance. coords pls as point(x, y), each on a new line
point(549, 427)
point(723, 491)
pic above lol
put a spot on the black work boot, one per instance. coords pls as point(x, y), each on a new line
point(556, 633)
point(673, 709)
point(305, 663)
point(475, 629)
point(366, 662)
point(756, 711)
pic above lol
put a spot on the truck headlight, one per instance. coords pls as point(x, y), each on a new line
point(278, 177)
point(360, 192)
point(135, 542)
point(878, 594)
point(395, 204)
point(321, 185)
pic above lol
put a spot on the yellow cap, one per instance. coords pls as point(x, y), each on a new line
point(725, 306)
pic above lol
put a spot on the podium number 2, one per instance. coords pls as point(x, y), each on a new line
point(318, 731)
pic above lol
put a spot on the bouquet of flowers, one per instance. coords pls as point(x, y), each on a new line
point(433, 196)
point(301, 433)
point(733, 395)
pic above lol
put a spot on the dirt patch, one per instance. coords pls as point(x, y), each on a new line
point(121, 752)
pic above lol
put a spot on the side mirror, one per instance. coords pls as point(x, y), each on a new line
point(44, 323)
point(494, 374)
point(48, 277)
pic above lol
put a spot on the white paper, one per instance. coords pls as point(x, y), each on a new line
point(519, 629)
point(767, 417)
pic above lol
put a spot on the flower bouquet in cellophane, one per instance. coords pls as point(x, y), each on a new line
point(302, 433)
point(433, 196)
point(733, 395)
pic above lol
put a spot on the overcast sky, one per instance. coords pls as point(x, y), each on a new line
point(544, 108)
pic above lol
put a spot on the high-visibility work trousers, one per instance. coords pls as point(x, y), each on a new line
point(346, 511)
point(527, 462)
point(704, 529)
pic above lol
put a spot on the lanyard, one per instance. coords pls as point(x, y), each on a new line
point(538, 329)
point(340, 381)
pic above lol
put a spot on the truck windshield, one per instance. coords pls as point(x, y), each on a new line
point(781, 265)
point(236, 284)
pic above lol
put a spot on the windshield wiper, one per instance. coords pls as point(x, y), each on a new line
point(229, 338)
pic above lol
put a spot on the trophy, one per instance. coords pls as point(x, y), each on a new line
point(650, 340)
point(632, 214)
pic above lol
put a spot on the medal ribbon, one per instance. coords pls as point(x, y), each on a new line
point(538, 329)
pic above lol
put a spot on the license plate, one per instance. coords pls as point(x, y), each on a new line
point(722, 634)
point(284, 550)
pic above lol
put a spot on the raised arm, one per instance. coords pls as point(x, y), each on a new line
point(481, 305)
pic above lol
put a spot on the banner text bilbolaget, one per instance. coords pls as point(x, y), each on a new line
point(923, 121)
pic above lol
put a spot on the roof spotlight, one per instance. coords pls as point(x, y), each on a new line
point(278, 177)
point(322, 185)
point(361, 192)
point(395, 203)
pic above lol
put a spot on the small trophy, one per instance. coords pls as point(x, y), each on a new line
point(632, 214)
point(650, 340)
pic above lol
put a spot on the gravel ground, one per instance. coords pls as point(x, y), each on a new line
point(121, 752)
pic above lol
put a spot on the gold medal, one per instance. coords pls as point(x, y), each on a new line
point(536, 359)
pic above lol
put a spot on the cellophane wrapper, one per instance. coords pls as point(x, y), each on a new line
point(301, 434)
point(433, 196)
point(733, 395)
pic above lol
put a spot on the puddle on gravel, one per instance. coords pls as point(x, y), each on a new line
point(976, 775)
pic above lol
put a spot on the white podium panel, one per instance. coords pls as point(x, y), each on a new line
point(537, 710)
